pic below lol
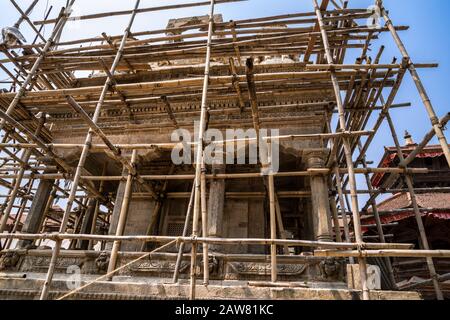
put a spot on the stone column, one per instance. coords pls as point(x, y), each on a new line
point(216, 204)
point(35, 216)
point(87, 223)
point(321, 216)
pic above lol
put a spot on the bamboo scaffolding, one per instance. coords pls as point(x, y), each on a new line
point(83, 157)
point(47, 84)
point(12, 198)
point(418, 82)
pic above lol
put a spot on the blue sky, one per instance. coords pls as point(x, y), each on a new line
point(427, 41)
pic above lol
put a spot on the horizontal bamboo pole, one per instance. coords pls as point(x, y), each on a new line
point(138, 11)
point(214, 80)
point(220, 26)
point(310, 172)
point(384, 253)
point(198, 240)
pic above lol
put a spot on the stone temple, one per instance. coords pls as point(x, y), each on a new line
point(92, 129)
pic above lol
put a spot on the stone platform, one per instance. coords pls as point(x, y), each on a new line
point(22, 274)
point(124, 288)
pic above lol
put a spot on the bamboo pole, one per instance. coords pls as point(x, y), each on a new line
point(122, 216)
point(205, 213)
point(51, 270)
point(348, 154)
point(342, 205)
point(418, 216)
point(200, 156)
point(143, 10)
point(217, 241)
point(273, 229)
point(185, 232)
point(170, 146)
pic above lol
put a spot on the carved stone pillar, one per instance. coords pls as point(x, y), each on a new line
point(321, 216)
point(216, 204)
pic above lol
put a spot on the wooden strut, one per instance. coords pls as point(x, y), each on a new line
point(348, 154)
point(84, 154)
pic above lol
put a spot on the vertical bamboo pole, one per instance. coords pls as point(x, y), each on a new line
point(204, 226)
point(199, 157)
point(347, 151)
point(273, 229)
point(51, 270)
point(185, 231)
point(343, 208)
point(122, 216)
point(418, 82)
point(421, 227)
point(334, 212)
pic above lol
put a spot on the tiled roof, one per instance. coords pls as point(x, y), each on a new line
point(431, 200)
